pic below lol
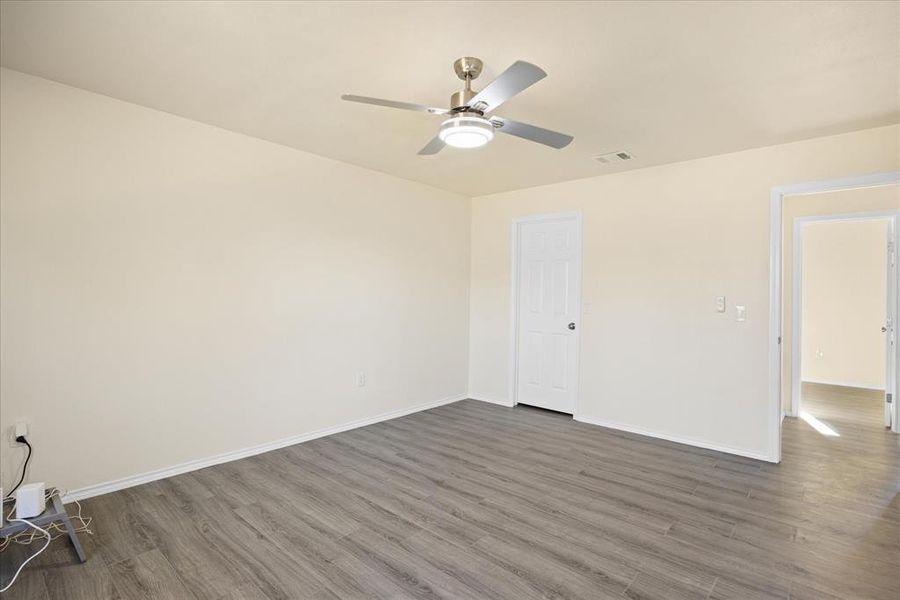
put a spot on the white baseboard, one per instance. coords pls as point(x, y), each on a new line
point(500, 401)
point(673, 438)
point(849, 384)
point(193, 465)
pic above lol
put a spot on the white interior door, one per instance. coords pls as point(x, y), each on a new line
point(549, 288)
point(890, 379)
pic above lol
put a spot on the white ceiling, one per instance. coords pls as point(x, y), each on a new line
point(666, 81)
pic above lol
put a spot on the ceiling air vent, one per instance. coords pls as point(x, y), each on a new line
point(612, 157)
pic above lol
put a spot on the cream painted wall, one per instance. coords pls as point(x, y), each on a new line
point(172, 291)
point(885, 197)
point(659, 245)
point(844, 296)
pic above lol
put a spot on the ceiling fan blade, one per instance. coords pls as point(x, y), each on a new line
point(394, 104)
point(519, 76)
point(432, 147)
point(554, 139)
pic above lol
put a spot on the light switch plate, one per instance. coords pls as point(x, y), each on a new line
point(720, 304)
point(740, 313)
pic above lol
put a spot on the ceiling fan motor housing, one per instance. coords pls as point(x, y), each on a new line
point(461, 99)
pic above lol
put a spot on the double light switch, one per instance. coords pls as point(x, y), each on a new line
point(740, 310)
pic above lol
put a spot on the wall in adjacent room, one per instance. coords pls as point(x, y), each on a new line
point(659, 245)
point(844, 303)
point(172, 291)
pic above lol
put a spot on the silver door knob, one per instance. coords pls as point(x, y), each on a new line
point(572, 326)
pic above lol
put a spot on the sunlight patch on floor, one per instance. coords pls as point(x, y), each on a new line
point(818, 425)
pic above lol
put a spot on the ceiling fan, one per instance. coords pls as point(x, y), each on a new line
point(467, 125)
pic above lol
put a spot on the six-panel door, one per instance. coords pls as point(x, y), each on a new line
point(549, 267)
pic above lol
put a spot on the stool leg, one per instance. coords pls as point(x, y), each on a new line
point(73, 537)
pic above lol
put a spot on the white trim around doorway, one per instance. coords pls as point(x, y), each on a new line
point(776, 204)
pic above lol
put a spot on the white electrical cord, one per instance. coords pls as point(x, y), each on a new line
point(33, 556)
point(80, 524)
point(53, 531)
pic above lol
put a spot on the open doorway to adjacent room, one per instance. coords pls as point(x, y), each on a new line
point(839, 310)
point(843, 321)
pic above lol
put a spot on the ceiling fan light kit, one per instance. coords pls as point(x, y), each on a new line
point(467, 125)
point(466, 131)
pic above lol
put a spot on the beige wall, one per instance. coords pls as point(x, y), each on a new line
point(844, 302)
point(173, 291)
point(879, 198)
point(659, 245)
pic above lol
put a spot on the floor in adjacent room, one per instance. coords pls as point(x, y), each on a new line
point(472, 500)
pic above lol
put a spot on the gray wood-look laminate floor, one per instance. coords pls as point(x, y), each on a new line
point(472, 500)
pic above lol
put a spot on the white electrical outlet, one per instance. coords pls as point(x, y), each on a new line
point(361, 379)
point(740, 313)
point(20, 428)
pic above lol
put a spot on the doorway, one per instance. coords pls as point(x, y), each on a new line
point(780, 326)
point(546, 308)
point(843, 315)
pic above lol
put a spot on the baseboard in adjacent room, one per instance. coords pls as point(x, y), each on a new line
point(483, 398)
point(848, 384)
point(673, 438)
point(194, 465)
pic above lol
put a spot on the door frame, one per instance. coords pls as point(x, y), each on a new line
point(776, 204)
point(891, 216)
point(517, 223)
